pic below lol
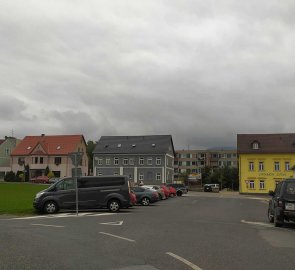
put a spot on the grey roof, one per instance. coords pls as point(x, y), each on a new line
point(151, 144)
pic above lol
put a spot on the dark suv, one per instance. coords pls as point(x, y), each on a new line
point(180, 188)
point(282, 205)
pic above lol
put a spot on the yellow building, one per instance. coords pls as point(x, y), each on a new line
point(264, 160)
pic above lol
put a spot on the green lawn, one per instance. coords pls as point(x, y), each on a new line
point(17, 198)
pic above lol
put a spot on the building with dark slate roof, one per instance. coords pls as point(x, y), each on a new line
point(264, 160)
point(142, 158)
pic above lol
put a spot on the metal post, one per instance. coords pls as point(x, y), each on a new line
point(76, 182)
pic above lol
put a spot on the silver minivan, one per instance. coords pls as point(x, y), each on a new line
point(94, 192)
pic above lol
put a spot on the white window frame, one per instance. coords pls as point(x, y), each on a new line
point(108, 161)
point(141, 177)
point(262, 184)
point(125, 161)
point(277, 166)
point(255, 145)
point(158, 176)
point(99, 162)
point(261, 166)
point(116, 161)
point(158, 161)
point(251, 166)
point(150, 161)
point(141, 161)
point(251, 184)
point(287, 166)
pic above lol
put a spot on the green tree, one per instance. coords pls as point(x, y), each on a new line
point(46, 171)
point(9, 176)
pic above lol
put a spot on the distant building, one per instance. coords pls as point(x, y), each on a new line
point(38, 152)
point(7, 145)
point(264, 160)
point(193, 161)
point(142, 158)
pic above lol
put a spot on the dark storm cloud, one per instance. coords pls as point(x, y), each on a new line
point(199, 70)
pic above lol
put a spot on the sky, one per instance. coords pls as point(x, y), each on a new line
point(201, 71)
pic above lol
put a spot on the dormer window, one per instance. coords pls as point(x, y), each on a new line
point(153, 145)
point(255, 145)
point(58, 148)
point(133, 145)
point(119, 145)
point(29, 147)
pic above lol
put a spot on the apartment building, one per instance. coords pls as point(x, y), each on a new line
point(143, 158)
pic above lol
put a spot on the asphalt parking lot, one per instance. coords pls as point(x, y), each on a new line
point(195, 231)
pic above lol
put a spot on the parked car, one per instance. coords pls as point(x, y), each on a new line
point(211, 188)
point(281, 207)
point(180, 189)
point(132, 198)
point(158, 189)
point(40, 179)
point(166, 190)
point(145, 196)
point(94, 192)
point(173, 191)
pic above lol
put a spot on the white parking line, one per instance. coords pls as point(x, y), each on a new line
point(45, 225)
point(188, 263)
point(64, 215)
point(123, 238)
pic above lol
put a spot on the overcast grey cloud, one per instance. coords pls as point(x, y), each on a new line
point(201, 71)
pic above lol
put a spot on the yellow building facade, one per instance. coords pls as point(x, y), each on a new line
point(264, 161)
point(260, 173)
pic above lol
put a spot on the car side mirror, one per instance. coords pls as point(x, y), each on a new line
point(271, 193)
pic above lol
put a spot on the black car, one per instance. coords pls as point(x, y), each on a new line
point(180, 188)
point(282, 205)
point(94, 192)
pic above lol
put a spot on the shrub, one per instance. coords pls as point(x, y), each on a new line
point(9, 176)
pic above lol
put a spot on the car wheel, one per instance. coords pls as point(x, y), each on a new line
point(50, 207)
point(113, 205)
point(145, 201)
point(270, 216)
point(278, 223)
point(179, 193)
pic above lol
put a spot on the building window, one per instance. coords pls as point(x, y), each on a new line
point(108, 161)
point(261, 184)
point(261, 166)
point(99, 173)
point(158, 176)
point(141, 161)
point(287, 166)
point(141, 177)
point(7, 151)
point(251, 184)
point(150, 161)
point(131, 161)
point(277, 166)
point(115, 173)
point(255, 145)
point(100, 161)
point(125, 161)
point(251, 166)
point(116, 161)
point(41, 160)
point(158, 161)
point(57, 160)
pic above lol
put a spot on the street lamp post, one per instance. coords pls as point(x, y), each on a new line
point(76, 158)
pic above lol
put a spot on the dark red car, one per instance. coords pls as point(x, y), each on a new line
point(40, 179)
point(166, 191)
point(132, 198)
point(172, 191)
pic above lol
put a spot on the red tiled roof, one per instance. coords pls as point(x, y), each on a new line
point(52, 145)
point(268, 143)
